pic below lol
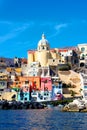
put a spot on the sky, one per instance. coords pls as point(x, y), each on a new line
point(22, 22)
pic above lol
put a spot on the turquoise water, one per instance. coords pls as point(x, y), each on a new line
point(45, 119)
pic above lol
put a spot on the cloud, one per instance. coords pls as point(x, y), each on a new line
point(14, 32)
point(6, 37)
point(60, 26)
point(57, 29)
point(16, 28)
point(53, 35)
point(22, 28)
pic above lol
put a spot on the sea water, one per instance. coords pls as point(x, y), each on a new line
point(42, 119)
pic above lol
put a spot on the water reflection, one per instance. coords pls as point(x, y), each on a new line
point(48, 119)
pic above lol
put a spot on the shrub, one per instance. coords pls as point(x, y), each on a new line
point(64, 67)
point(72, 93)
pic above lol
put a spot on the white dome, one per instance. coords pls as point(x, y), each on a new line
point(43, 41)
point(43, 44)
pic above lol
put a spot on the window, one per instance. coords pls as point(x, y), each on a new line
point(85, 94)
point(46, 93)
point(25, 94)
point(85, 86)
point(43, 47)
point(41, 97)
point(45, 98)
point(83, 56)
point(34, 82)
point(82, 49)
point(21, 98)
point(59, 86)
point(26, 82)
point(25, 99)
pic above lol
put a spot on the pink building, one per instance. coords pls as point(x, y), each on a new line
point(46, 84)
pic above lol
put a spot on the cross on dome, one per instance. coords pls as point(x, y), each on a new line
point(43, 36)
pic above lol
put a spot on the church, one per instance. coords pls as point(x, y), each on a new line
point(43, 58)
point(44, 55)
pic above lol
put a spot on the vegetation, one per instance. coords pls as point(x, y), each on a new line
point(72, 93)
point(68, 85)
point(62, 102)
point(80, 89)
point(64, 67)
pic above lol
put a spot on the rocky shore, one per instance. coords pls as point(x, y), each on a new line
point(78, 105)
point(14, 105)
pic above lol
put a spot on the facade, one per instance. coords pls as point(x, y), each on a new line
point(3, 85)
point(42, 60)
point(25, 86)
point(25, 69)
point(84, 85)
point(45, 92)
point(43, 55)
point(69, 55)
point(3, 82)
point(23, 96)
point(26, 83)
point(83, 54)
point(57, 91)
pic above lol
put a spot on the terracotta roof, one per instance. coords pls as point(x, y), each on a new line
point(24, 60)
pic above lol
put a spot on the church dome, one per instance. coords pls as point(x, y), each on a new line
point(43, 43)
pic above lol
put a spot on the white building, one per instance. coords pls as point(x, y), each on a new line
point(83, 85)
point(83, 54)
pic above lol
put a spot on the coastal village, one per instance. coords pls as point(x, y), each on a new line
point(48, 74)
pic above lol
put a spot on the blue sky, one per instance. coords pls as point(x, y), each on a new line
point(22, 23)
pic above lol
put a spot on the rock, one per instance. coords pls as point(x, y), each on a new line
point(77, 105)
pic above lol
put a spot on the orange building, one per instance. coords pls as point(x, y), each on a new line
point(27, 83)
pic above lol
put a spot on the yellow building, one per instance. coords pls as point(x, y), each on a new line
point(44, 55)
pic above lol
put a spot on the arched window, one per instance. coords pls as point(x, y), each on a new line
point(83, 56)
point(43, 48)
point(82, 49)
point(81, 64)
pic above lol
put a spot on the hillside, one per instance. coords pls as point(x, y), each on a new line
point(70, 78)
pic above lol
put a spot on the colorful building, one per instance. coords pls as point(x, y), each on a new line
point(57, 93)
point(45, 92)
point(23, 96)
point(24, 86)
